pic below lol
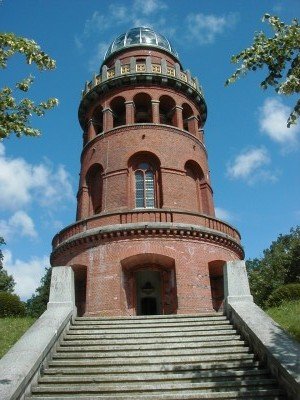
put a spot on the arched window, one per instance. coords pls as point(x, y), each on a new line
point(94, 185)
point(145, 181)
point(144, 186)
point(194, 177)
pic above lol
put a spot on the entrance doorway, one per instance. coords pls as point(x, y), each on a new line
point(148, 292)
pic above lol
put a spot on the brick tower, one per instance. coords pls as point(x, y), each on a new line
point(146, 240)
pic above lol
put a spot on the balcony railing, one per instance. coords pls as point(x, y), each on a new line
point(145, 215)
point(142, 68)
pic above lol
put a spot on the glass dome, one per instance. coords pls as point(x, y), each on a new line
point(140, 36)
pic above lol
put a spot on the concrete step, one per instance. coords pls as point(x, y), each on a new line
point(59, 367)
point(98, 346)
point(122, 361)
point(150, 335)
point(154, 387)
point(198, 339)
point(160, 323)
point(54, 376)
point(153, 328)
point(94, 353)
point(149, 318)
point(261, 394)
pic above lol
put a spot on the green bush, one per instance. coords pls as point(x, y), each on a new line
point(11, 305)
point(284, 293)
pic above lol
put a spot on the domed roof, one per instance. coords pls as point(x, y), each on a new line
point(140, 36)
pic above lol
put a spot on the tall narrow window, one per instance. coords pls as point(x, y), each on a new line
point(144, 186)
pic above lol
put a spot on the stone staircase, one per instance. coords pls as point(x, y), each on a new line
point(157, 357)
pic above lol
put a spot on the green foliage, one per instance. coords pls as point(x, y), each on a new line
point(7, 282)
point(11, 305)
point(37, 304)
point(14, 114)
point(284, 293)
point(11, 329)
point(288, 316)
point(279, 266)
point(280, 54)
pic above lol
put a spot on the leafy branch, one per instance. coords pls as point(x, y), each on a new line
point(280, 54)
point(15, 115)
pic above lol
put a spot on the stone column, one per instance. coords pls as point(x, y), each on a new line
point(62, 291)
point(178, 122)
point(155, 111)
point(91, 133)
point(193, 125)
point(82, 203)
point(108, 120)
point(236, 284)
point(130, 108)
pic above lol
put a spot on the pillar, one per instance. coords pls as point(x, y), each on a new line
point(130, 108)
point(108, 119)
point(155, 111)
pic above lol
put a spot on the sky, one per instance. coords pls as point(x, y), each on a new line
point(253, 158)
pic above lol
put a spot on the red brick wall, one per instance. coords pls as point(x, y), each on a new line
point(105, 276)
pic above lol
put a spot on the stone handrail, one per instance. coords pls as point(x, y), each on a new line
point(145, 215)
point(271, 344)
point(19, 368)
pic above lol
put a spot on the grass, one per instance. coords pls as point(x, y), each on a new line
point(11, 329)
point(287, 315)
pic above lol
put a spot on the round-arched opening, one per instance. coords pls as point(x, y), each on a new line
point(118, 108)
point(167, 110)
point(187, 113)
point(150, 284)
point(143, 108)
point(97, 119)
point(194, 176)
point(94, 183)
point(216, 283)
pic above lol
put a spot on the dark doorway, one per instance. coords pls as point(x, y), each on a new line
point(148, 306)
point(148, 292)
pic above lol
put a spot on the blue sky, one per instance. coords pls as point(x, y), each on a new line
point(253, 157)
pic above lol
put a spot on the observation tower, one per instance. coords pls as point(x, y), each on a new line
point(146, 240)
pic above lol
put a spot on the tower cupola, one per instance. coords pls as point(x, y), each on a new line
point(140, 37)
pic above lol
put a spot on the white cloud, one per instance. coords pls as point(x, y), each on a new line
point(204, 28)
point(27, 274)
point(98, 56)
point(148, 7)
point(273, 116)
point(22, 183)
point(223, 214)
point(250, 166)
point(18, 224)
point(96, 23)
point(133, 14)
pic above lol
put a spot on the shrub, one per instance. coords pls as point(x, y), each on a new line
point(284, 293)
point(11, 305)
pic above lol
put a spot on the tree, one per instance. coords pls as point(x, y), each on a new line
point(7, 282)
point(279, 265)
point(37, 304)
point(15, 114)
point(280, 54)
